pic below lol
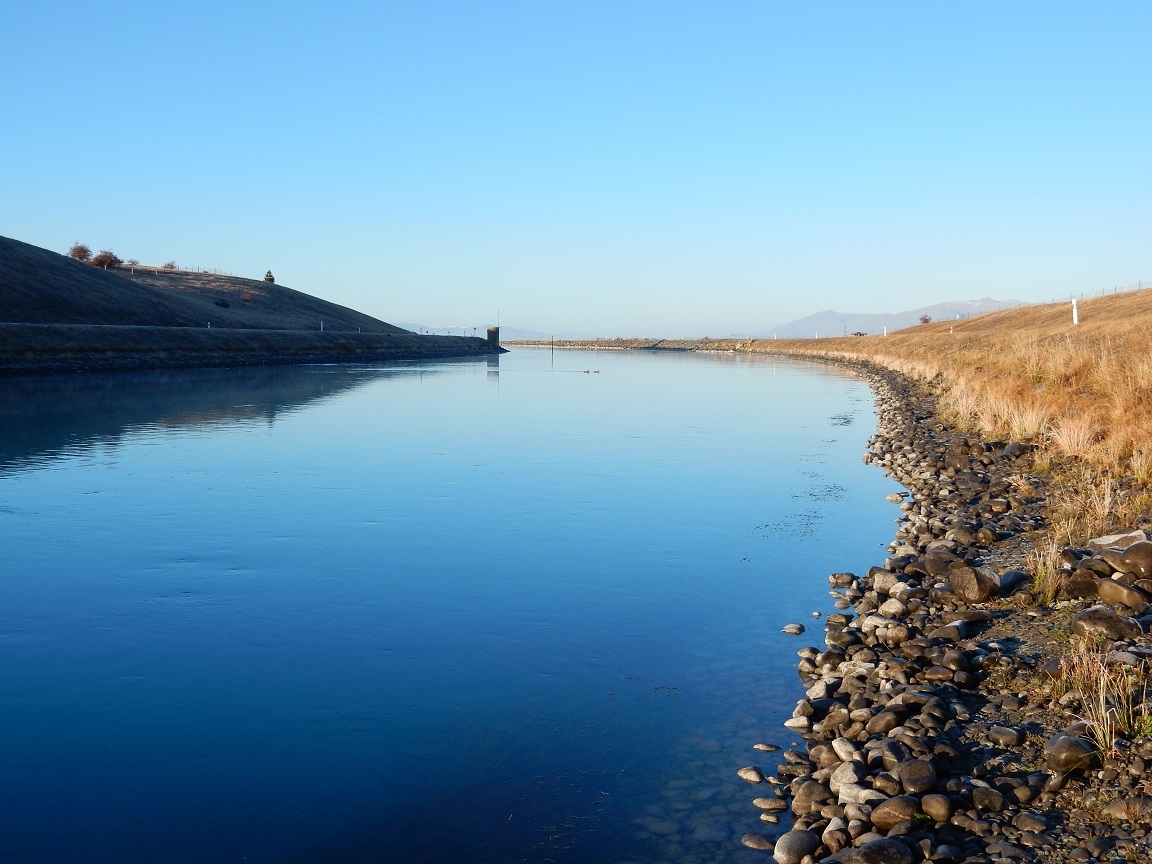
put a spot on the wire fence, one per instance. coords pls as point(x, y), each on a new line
point(1138, 285)
point(212, 271)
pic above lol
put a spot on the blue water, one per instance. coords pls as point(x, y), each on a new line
point(524, 609)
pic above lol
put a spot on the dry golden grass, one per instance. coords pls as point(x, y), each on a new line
point(1111, 697)
point(1044, 562)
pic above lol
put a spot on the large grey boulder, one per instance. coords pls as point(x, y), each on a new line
point(1137, 558)
point(1099, 544)
point(888, 814)
point(1063, 752)
point(1100, 622)
point(973, 584)
point(1118, 594)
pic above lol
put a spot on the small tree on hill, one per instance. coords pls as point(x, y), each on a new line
point(268, 277)
point(107, 259)
point(168, 265)
point(925, 319)
point(80, 252)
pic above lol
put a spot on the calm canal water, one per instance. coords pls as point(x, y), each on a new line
point(522, 609)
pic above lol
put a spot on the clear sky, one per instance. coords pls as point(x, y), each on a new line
point(629, 167)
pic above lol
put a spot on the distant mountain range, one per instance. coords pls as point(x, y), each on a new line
point(826, 323)
point(507, 334)
point(829, 323)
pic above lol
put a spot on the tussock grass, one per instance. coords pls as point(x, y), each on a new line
point(1112, 695)
point(1044, 562)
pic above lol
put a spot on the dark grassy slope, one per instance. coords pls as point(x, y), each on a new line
point(57, 314)
point(38, 286)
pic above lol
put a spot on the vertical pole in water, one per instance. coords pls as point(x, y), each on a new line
point(321, 325)
point(1075, 313)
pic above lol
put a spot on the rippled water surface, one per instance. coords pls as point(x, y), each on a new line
point(524, 609)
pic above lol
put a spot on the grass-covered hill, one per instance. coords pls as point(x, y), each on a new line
point(62, 315)
point(38, 286)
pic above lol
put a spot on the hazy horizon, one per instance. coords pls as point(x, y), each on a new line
point(636, 168)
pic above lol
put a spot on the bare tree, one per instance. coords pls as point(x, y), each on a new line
point(80, 252)
point(168, 265)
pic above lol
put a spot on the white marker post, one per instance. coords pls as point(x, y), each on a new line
point(1075, 314)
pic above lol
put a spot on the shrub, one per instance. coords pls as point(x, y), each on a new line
point(132, 262)
point(925, 319)
point(106, 259)
point(168, 265)
point(80, 252)
point(268, 277)
point(222, 303)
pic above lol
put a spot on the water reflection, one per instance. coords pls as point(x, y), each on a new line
point(42, 418)
point(379, 614)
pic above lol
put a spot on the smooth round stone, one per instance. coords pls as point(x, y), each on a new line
point(937, 807)
point(1100, 622)
point(1066, 753)
point(917, 776)
point(792, 629)
point(964, 680)
point(765, 748)
point(1023, 794)
point(1118, 594)
point(756, 841)
point(794, 845)
point(845, 773)
point(809, 796)
point(1138, 558)
point(1030, 822)
point(938, 674)
point(884, 722)
point(1005, 736)
point(988, 800)
point(956, 661)
point(751, 774)
point(973, 584)
point(772, 805)
point(888, 814)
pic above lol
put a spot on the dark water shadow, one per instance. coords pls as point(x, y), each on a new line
point(45, 417)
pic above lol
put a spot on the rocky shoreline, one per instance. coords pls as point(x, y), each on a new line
point(960, 711)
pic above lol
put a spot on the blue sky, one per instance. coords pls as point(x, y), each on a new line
point(645, 168)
